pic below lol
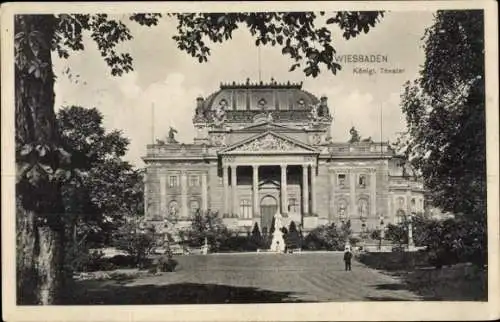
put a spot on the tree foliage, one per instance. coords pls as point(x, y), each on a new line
point(136, 241)
point(303, 36)
point(207, 225)
point(397, 234)
point(328, 237)
point(106, 189)
point(445, 114)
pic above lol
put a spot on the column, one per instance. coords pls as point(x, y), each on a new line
point(163, 195)
point(204, 191)
point(184, 195)
point(390, 197)
point(332, 195)
point(305, 188)
point(352, 193)
point(255, 190)
point(313, 189)
point(284, 192)
point(226, 188)
point(408, 202)
point(234, 190)
point(373, 193)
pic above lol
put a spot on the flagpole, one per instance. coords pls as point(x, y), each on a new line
point(381, 127)
point(258, 48)
point(153, 123)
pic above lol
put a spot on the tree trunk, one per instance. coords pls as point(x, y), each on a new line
point(39, 203)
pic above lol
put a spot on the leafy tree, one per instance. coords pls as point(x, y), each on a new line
point(105, 190)
point(397, 234)
point(136, 241)
point(445, 114)
point(327, 237)
point(41, 160)
point(207, 225)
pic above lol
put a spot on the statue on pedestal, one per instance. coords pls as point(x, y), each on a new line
point(278, 243)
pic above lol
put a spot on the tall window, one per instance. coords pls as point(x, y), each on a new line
point(362, 181)
point(401, 202)
point(245, 209)
point(400, 215)
point(341, 180)
point(194, 206)
point(293, 205)
point(194, 181)
point(173, 181)
point(413, 205)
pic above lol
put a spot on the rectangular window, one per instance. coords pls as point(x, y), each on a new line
point(194, 181)
point(173, 181)
point(362, 181)
point(341, 180)
point(245, 209)
point(293, 205)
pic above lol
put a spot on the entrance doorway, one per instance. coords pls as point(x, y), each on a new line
point(268, 208)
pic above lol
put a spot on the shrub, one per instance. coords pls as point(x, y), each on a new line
point(293, 238)
point(162, 264)
point(326, 237)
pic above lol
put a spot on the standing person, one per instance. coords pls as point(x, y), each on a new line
point(347, 259)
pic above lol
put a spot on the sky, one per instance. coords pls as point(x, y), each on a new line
point(171, 80)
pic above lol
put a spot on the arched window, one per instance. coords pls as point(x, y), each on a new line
point(413, 205)
point(293, 206)
point(194, 206)
point(400, 215)
point(401, 203)
point(245, 209)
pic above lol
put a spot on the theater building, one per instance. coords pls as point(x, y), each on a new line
point(266, 148)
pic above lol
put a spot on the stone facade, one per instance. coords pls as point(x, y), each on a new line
point(263, 148)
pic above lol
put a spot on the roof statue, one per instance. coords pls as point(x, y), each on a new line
point(171, 135)
point(355, 138)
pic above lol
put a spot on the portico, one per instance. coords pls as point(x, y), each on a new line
point(264, 169)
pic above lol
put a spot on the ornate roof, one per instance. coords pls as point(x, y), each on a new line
point(242, 102)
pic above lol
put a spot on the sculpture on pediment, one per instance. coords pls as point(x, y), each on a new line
point(171, 135)
point(268, 142)
point(219, 113)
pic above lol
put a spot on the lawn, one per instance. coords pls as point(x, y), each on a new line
point(250, 278)
point(459, 282)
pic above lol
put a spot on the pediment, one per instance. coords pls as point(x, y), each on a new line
point(269, 142)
